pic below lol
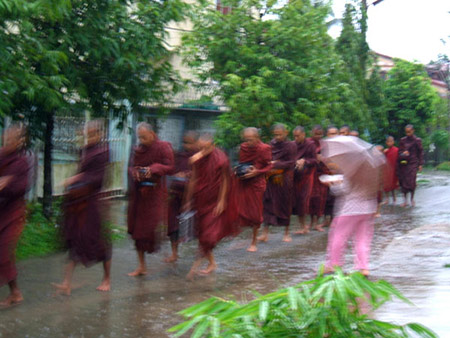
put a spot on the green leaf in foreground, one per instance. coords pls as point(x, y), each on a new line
point(328, 306)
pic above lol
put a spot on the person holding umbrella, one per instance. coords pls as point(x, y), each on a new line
point(356, 198)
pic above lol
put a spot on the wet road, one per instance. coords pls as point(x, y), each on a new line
point(410, 249)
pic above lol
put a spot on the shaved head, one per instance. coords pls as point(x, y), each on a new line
point(251, 130)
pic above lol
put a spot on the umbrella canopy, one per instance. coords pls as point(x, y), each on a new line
point(352, 154)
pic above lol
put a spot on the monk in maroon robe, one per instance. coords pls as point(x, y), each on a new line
point(305, 164)
point(150, 161)
point(410, 156)
point(320, 191)
point(250, 186)
point(177, 190)
point(390, 178)
point(278, 195)
point(84, 233)
point(14, 170)
point(210, 195)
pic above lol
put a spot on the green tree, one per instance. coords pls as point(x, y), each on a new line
point(270, 65)
point(107, 56)
point(409, 98)
point(362, 76)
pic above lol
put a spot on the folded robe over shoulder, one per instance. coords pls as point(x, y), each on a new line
point(87, 240)
point(407, 172)
point(12, 211)
point(278, 194)
point(304, 179)
point(146, 203)
point(250, 192)
point(209, 174)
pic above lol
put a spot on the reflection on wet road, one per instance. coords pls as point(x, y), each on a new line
point(410, 248)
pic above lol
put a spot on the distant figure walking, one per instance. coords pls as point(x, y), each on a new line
point(410, 157)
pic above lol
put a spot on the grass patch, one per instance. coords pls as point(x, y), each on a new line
point(423, 181)
point(444, 166)
point(447, 266)
point(42, 237)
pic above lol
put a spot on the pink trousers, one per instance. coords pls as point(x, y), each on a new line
point(360, 227)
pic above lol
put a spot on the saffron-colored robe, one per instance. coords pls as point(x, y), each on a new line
point(304, 179)
point(87, 240)
point(146, 204)
point(407, 172)
point(278, 195)
point(250, 192)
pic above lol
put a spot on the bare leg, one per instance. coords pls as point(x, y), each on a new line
point(212, 264)
point(413, 203)
point(15, 296)
point(252, 247)
point(287, 237)
point(304, 228)
point(174, 257)
point(194, 268)
point(106, 282)
point(265, 235)
point(314, 220)
point(66, 286)
point(319, 226)
point(394, 199)
point(405, 203)
point(385, 199)
point(378, 213)
point(142, 269)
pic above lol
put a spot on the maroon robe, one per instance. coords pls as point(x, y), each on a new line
point(12, 211)
point(208, 180)
point(390, 179)
point(176, 192)
point(278, 195)
point(407, 172)
point(304, 179)
point(250, 192)
point(146, 203)
point(319, 192)
point(86, 238)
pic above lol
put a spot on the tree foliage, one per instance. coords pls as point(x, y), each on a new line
point(409, 98)
point(69, 56)
point(271, 65)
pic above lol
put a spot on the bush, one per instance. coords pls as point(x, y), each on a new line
point(328, 306)
point(445, 166)
point(41, 236)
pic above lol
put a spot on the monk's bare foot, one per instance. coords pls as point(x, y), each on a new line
point(104, 286)
point(138, 272)
point(319, 228)
point(263, 238)
point(209, 269)
point(377, 215)
point(403, 205)
point(287, 238)
point(62, 289)
point(12, 299)
point(384, 202)
point(171, 259)
point(303, 231)
point(252, 248)
point(190, 276)
point(413, 203)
